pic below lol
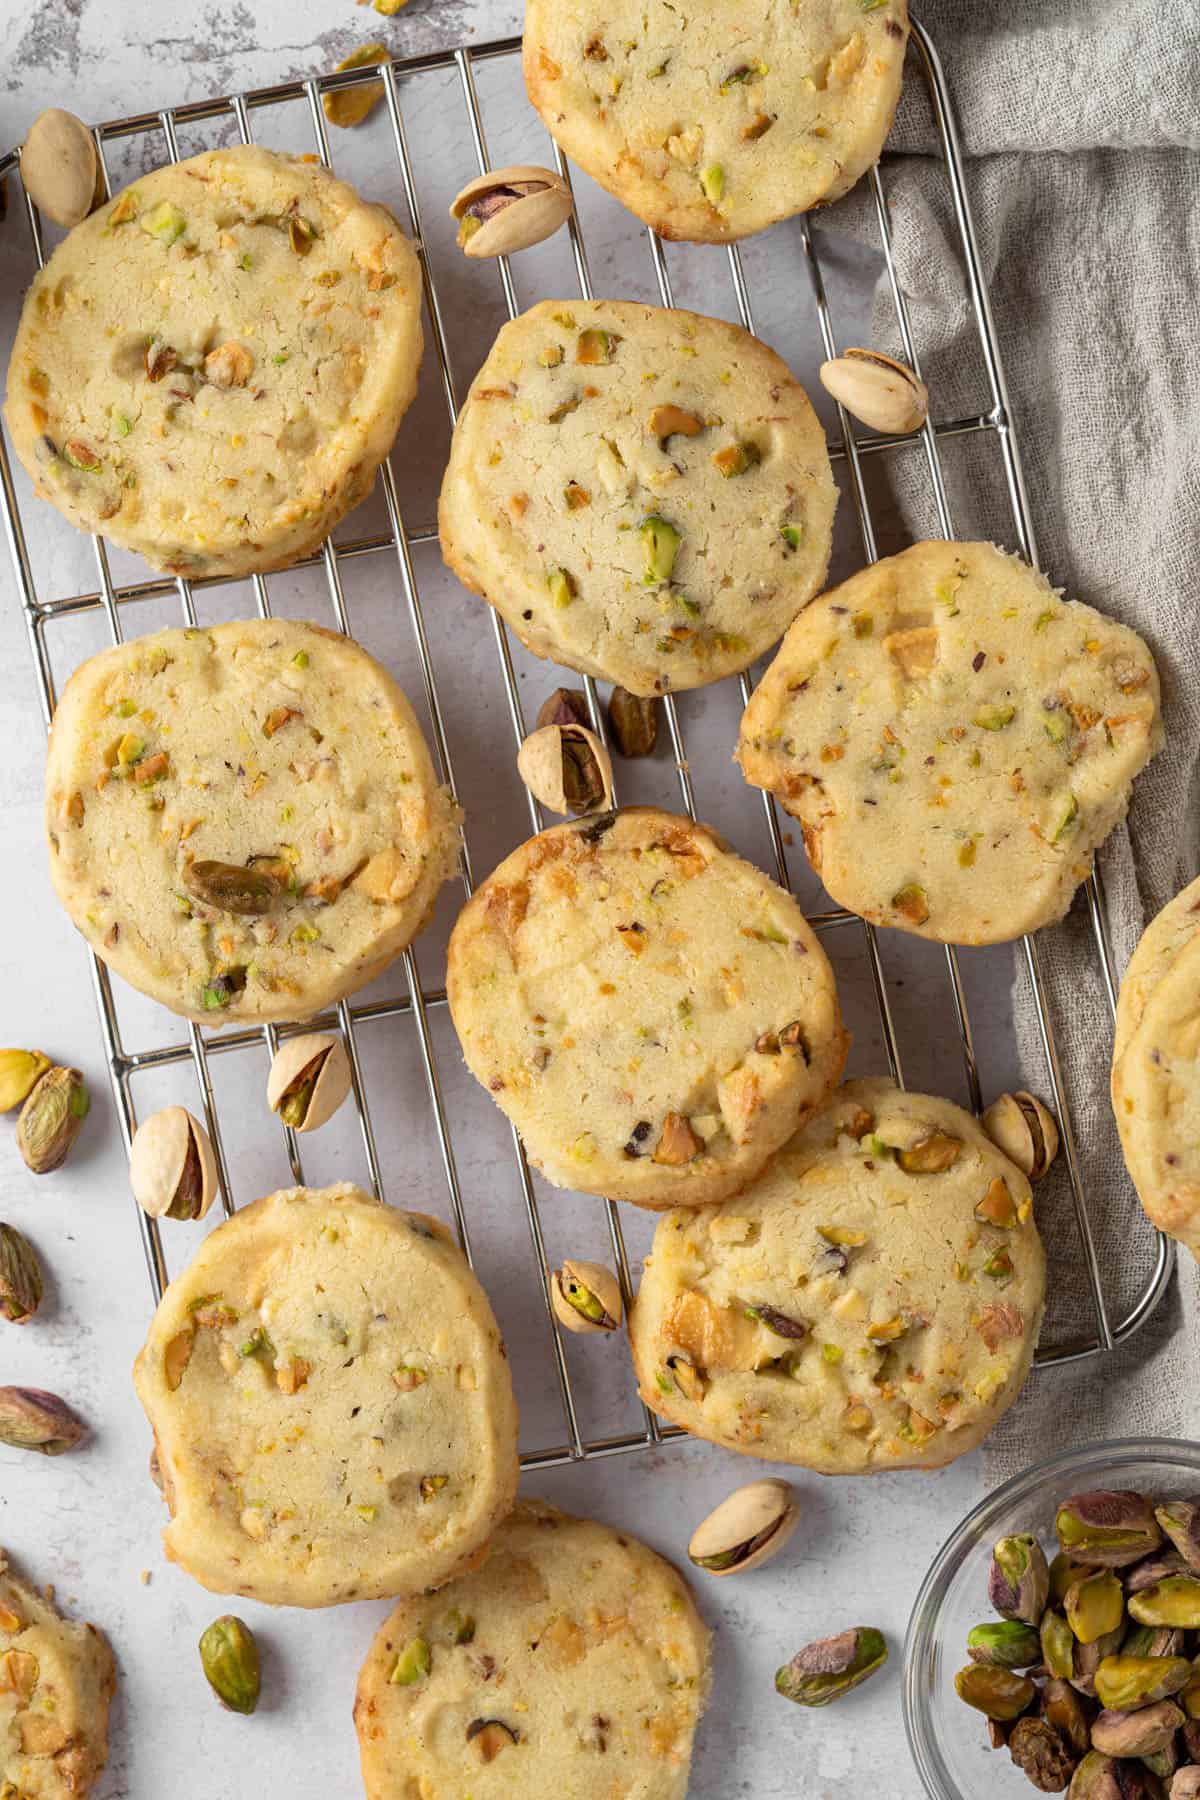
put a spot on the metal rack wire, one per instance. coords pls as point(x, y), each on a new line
point(112, 598)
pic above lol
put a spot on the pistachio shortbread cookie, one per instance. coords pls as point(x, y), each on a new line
point(331, 1403)
point(642, 494)
point(572, 1662)
point(714, 121)
point(653, 1014)
point(57, 1679)
point(1156, 1069)
point(872, 1302)
point(956, 740)
point(244, 821)
point(210, 369)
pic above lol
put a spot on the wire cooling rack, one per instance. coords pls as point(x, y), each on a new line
point(45, 616)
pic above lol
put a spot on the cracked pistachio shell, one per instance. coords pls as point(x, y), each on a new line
point(586, 1297)
point(883, 393)
point(1095, 1779)
point(1019, 1579)
point(310, 1077)
point(567, 768)
point(229, 1658)
point(510, 209)
point(20, 1072)
point(60, 168)
point(172, 1170)
point(52, 1118)
point(20, 1277)
point(1138, 1733)
point(748, 1528)
point(1108, 1529)
point(1025, 1130)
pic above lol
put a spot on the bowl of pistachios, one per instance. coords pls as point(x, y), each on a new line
point(1055, 1640)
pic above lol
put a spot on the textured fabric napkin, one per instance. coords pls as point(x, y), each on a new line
point(1081, 123)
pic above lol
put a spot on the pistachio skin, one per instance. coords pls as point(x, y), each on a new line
point(32, 1419)
point(633, 720)
point(748, 1528)
point(1040, 1754)
point(565, 706)
point(229, 1658)
point(20, 1277)
point(1108, 1529)
point(20, 1072)
point(828, 1668)
point(1153, 1569)
point(999, 1693)
point(1064, 1709)
point(1180, 1520)
point(1125, 1683)
point(51, 1119)
point(1088, 1658)
point(1019, 1579)
point(1095, 1779)
point(1007, 1645)
point(1136, 1733)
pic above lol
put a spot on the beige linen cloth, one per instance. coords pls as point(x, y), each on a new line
point(1081, 124)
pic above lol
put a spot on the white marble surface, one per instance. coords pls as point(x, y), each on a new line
point(90, 1522)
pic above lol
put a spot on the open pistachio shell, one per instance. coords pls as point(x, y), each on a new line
point(310, 1077)
point(1025, 1130)
point(510, 209)
point(746, 1529)
point(172, 1169)
point(59, 167)
point(586, 1297)
point(567, 768)
point(883, 393)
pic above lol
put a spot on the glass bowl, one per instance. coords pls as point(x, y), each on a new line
point(948, 1739)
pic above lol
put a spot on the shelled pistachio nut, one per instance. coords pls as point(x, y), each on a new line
point(172, 1169)
point(633, 719)
point(883, 393)
point(1095, 1779)
point(748, 1528)
point(1019, 1580)
point(1152, 1569)
point(1058, 1645)
point(350, 106)
point(830, 1667)
point(229, 1658)
point(51, 1119)
point(1107, 1529)
point(310, 1077)
point(1174, 1601)
point(1124, 1683)
point(32, 1419)
point(586, 1297)
point(567, 768)
point(1180, 1519)
point(1007, 1643)
point(20, 1072)
point(1025, 1130)
point(1040, 1753)
point(1095, 1605)
point(999, 1693)
point(59, 167)
point(1138, 1733)
point(1064, 1709)
point(1088, 1658)
point(510, 209)
point(565, 706)
point(20, 1277)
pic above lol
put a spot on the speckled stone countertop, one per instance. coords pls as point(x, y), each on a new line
point(90, 1522)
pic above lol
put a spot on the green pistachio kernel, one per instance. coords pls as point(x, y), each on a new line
point(1055, 726)
point(562, 587)
point(995, 718)
point(164, 221)
point(301, 659)
point(413, 1663)
point(712, 180)
point(791, 535)
point(662, 542)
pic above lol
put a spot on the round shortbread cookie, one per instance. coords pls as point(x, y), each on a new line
point(653, 1014)
point(956, 740)
point(571, 1662)
point(1156, 1069)
point(643, 495)
point(57, 1679)
point(331, 1403)
point(244, 821)
point(211, 367)
point(713, 122)
point(872, 1302)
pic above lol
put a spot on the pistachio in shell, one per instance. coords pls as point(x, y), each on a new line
point(1000, 1693)
point(52, 1118)
point(32, 1419)
point(586, 1297)
point(1173, 1601)
point(172, 1169)
point(825, 1670)
point(567, 768)
point(20, 1072)
point(1180, 1520)
point(1039, 1752)
point(1095, 1779)
point(1107, 1528)
point(1124, 1683)
point(1026, 1131)
point(1019, 1580)
point(1007, 1643)
point(60, 168)
point(310, 1077)
point(885, 394)
point(20, 1277)
point(229, 1658)
point(1095, 1605)
point(1138, 1733)
point(510, 209)
point(748, 1528)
